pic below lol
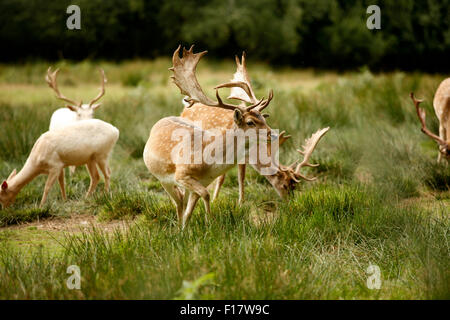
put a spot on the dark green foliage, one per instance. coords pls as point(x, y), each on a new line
point(321, 33)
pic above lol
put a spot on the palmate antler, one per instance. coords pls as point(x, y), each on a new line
point(308, 148)
point(51, 81)
point(422, 116)
point(244, 92)
point(184, 77)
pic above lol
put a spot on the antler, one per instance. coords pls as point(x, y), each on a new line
point(102, 89)
point(308, 148)
point(185, 79)
point(282, 138)
point(244, 90)
point(51, 81)
point(422, 116)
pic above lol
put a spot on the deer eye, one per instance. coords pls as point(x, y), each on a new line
point(250, 123)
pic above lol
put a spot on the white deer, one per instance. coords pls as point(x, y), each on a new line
point(74, 111)
point(286, 178)
point(88, 142)
point(441, 105)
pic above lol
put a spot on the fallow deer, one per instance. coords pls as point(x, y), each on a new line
point(285, 179)
point(441, 105)
point(74, 111)
point(189, 181)
point(87, 142)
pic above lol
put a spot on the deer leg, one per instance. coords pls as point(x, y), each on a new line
point(52, 176)
point(177, 198)
point(219, 183)
point(72, 170)
point(241, 178)
point(192, 201)
point(61, 184)
point(95, 177)
point(103, 165)
point(195, 186)
point(442, 136)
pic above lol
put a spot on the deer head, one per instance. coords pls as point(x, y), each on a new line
point(83, 111)
point(288, 177)
point(245, 117)
point(7, 196)
point(444, 146)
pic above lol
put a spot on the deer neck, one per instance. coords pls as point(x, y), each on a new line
point(23, 177)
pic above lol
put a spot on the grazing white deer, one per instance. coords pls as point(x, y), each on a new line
point(285, 179)
point(441, 105)
point(88, 142)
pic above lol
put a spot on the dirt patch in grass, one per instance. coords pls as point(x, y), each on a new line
point(74, 223)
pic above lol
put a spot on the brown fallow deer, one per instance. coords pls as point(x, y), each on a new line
point(286, 178)
point(441, 105)
point(187, 182)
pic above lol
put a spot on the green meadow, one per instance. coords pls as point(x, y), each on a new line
point(380, 199)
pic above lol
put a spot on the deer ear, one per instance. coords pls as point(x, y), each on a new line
point(238, 117)
point(265, 115)
point(72, 108)
point(12, 175)
point(95, 106)
point(4, 185)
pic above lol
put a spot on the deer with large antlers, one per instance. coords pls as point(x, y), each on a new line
point(286, 178)
point(88, 142)
point(441, 105)
point(74, 110)
point(186, 182)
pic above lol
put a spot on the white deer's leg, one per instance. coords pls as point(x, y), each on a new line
point(442, 135)
point(192, 201)
point(103, 165)
point(95, 177)
point(241, 178)
point(61, 184)
point(177, 198)
point(52, 176)
point(72, 170)
point(219, 183)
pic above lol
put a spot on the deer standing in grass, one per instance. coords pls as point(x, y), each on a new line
point(74, 111)
point(441, 104)
point(286, 178)
point(187, 182)
point(88, 142)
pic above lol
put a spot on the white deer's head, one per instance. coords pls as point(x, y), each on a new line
point(84, 111)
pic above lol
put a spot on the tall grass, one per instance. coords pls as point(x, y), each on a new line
point(380, 198)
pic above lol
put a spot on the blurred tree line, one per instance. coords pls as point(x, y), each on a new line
point(414, 35)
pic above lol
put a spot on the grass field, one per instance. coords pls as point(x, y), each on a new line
point(380, 198)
